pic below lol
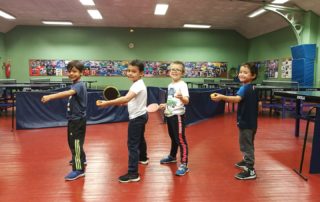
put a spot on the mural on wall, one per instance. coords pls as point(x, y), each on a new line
point(39, 67)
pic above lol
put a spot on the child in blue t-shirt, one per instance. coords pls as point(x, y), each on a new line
point(247, 117)
point(76, 115)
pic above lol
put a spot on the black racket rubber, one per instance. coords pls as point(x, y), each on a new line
point(111, 93)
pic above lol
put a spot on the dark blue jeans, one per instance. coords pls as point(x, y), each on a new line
point(137, 146)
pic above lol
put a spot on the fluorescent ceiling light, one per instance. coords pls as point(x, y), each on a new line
point(161, 9)
point(256, 13)
point(87, 2)
point(6, 15)
point(279, 1)
point(196, 26)
point(95, 14)
point(57, 22)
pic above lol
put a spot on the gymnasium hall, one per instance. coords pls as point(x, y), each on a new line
point(186, 69)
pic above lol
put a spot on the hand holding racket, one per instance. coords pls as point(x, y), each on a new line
point(101, 103)
point(109, 93)
point(162, 106)
point(152, 107)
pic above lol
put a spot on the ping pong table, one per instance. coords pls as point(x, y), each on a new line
point(307, 96)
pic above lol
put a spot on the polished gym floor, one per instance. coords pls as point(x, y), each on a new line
point(33, 164)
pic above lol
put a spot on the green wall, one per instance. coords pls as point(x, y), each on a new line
point(35, 42)
point(277, 44)
point(2, 55)
point(310, 35)
point(272, 45)
point(318, 56)
point(310, 29)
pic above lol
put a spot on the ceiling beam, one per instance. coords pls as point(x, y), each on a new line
point(293, 15)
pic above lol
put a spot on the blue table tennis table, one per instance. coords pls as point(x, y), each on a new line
point(307, 96)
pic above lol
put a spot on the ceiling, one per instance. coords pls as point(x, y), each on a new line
point(221, 14)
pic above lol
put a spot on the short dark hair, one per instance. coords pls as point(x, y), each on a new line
point(179, 63)
point(137, 63)
point(253, 69)
point(75, 63)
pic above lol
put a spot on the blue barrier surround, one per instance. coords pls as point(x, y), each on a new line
point(31, 113)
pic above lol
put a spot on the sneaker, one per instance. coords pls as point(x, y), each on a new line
point(247, 174)
point(70, 162)
point(168, 159)
point(241, 164)
point(74, 175)
point(129, 177)
point(144, 162)
point(182, 170)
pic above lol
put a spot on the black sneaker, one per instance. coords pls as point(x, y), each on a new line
point(241, 164)
point(168, 159)
point(247, 174)
point(129, 177)
point(144, 162)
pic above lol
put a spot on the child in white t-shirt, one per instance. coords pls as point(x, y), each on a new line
point(138, 117)
point(174, 110)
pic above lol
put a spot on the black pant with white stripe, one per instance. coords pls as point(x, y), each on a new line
point(76, 136)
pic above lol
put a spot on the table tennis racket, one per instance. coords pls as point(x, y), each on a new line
point(153, 107)
point(111, 93)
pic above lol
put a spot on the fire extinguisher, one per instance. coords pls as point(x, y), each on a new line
point(8, 70)
point(7, 67)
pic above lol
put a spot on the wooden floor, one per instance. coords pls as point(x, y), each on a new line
point(33, 164)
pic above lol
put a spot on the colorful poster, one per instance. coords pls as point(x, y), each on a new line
point(286, 68)
point(206, 69)
point(156, 69)
point(42, 67)
point(272, 68)
point(60, 68)
point(39, 67)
